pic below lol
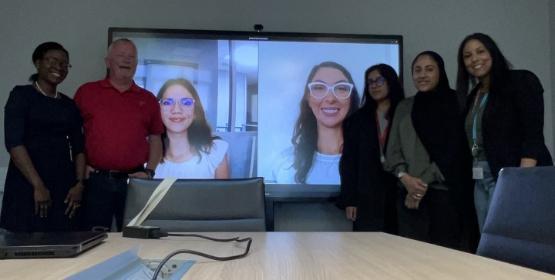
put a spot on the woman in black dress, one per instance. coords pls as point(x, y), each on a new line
point(43, 135)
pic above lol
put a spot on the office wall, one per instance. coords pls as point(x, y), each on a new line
point(522, 28)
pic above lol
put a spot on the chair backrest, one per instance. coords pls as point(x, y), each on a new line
point(201, 204)
point(241, 153)
point(520, 226)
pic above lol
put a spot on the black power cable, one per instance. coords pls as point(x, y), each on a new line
point(186, 251)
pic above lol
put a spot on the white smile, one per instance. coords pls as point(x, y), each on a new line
point(330, 110)
point(177, 119)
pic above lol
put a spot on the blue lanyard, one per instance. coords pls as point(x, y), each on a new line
point(477, 110)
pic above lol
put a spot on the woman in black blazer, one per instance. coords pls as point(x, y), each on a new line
point(504, 115)
point(367, 192)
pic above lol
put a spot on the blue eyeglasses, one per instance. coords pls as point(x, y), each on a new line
point(185, 102)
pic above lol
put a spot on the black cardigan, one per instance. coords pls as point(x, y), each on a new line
point(512, 122)
point(364, 184)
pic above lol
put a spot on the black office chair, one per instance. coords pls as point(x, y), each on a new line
point(201, 205)
point(520, 226)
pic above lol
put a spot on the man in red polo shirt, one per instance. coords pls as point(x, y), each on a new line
point(122, 125)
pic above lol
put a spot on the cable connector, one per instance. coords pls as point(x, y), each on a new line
point(144, 232)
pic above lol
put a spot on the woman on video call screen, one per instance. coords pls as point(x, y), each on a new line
point(329, 97)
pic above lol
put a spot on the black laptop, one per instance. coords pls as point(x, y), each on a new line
point(47, 244)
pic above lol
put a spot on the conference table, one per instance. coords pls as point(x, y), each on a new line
point(290, 255)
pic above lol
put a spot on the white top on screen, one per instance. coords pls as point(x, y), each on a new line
point(324, 170)
point(194, 168)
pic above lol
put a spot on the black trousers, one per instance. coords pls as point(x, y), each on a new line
point(104, 199)
point(437, 220)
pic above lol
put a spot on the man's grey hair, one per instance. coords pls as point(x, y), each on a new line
point(119, 41)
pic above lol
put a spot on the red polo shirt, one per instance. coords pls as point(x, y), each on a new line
point(117, 124)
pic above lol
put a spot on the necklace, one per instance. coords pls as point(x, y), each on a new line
point(44, 93)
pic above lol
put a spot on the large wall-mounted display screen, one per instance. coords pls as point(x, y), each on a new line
point(275, 100)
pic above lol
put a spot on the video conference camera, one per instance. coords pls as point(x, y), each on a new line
point(258, 27)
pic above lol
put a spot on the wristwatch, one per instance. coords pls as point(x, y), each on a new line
point(149, 172)
point(401, 174)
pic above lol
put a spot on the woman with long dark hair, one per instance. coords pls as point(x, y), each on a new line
point(329, 97)
point(42, 126)
point(189, 148)
point(368, 193)
point(504, 115)
point(427, 151)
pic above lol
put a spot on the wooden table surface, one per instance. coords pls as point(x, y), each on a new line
point(291, 255)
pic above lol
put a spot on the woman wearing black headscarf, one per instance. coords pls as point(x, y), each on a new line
point(427, 151)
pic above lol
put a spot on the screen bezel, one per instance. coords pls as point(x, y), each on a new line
point(262, 36)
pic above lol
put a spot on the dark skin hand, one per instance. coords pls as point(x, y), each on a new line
point(75, 194)
point(42, 201)
point(73, 199)
point(41, 194)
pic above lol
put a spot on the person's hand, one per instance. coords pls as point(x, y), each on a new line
point(140, 175)
point(411, 202)
point(42, 201)
point(528, 162)
point(415, 187)
point(88, 170)
point(73, 199)
point(351, 213)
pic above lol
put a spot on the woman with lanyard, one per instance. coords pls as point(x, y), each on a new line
point(504, 116)
point(367, 192)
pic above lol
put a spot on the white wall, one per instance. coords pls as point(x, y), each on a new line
point(522, 29)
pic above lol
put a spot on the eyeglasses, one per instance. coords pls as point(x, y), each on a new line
point(52, 61)
point(340, 90)
point(185, 102)
point(379, 81)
